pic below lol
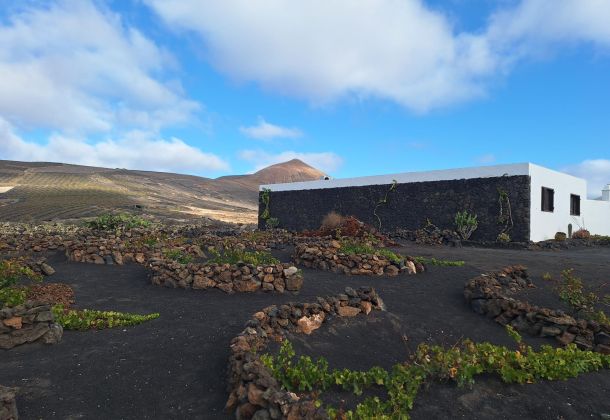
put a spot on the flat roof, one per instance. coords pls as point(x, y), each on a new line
point(491, 171)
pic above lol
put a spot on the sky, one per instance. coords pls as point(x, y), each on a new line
point(352, 87)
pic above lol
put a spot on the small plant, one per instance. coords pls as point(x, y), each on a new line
point(383, 201)
point(441, 263)
point(547, 276)
point(581, 234)
point(87, 319)
point(601, 239)
point(465, 224)
point(233, 256)
point(272, 222)
point(331, 221)
point(571, 290)
point(355, 247)
point(117, 222)
point(560, 236)
point(12, 271)
point(503, 238)
point(179, 256)
point(12, 296)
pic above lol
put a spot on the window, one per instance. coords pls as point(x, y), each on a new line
point(548, 199)
point(575, 205)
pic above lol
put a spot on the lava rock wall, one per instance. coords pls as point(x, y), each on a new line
point(409, 205)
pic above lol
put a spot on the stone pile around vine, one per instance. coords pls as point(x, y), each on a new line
point(229, 278)
point(254, 391)
point(28, 323)
point(328, 255)
point(492, 294)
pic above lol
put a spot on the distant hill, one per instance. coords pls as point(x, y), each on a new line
point(43, 191)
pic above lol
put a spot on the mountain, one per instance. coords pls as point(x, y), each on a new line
point(44, 191)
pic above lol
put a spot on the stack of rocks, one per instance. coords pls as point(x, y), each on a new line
point(491, 295)
point(328, 256)
point(254, 392)
point(227, 277)
point(28, 323)
point(8, 407)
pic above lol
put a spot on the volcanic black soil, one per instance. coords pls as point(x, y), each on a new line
point(174, 367)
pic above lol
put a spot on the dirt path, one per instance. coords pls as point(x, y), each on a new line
point(175, 366)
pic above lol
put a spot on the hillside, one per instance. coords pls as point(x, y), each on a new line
point(43, 191)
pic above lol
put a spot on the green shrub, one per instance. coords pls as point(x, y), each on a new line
point(12, 296)
point(12, 271)
point(460, 364)
point(601, 239)
point(355, 247)
point(234, 256)
point(87, 319)
point(465, 224)
point(178, 255)
point(572, 291)
point(561, 236)
point(503, 238)
point(117, 221)
point(272, 222)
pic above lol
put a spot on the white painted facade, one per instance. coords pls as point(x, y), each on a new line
point(594, 214)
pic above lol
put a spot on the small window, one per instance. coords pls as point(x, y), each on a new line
point(548, 199)
point(575, 205)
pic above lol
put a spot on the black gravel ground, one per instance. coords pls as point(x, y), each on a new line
point(175, 367)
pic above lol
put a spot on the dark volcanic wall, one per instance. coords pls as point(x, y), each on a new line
point(409, 205)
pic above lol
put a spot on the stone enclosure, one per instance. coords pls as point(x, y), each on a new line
point(327, 255)
point(254, 392)
point(492, 294)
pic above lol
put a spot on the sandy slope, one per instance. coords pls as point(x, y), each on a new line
point(54, 191)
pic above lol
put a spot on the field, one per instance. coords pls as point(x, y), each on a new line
point(176, 366)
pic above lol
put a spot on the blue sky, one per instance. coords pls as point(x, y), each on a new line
point(351, 87)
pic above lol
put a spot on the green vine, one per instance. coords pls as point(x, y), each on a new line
point(505, 218)
point(270, 222)
point(460, 364)
point(265, 198)
point(88, 319)
point(384, 200)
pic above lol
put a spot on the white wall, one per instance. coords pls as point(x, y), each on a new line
point(594, 215)
point(597, 216)
point(405, 177)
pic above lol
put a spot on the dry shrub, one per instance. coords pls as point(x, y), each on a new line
point(332, 221)
point(581, 234)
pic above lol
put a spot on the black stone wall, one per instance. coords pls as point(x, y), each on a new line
point(409, 205)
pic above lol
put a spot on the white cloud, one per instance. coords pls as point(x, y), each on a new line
point(486, 158)
point(595, 171)
point(324, 161)
point(323, 50)
point(73, 67)
point(137, 150)
point(267, 131)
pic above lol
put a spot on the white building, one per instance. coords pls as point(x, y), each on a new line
point(557, 201)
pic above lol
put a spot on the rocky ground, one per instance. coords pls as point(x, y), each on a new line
point(175, 366)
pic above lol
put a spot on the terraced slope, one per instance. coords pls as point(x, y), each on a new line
point(53, 191)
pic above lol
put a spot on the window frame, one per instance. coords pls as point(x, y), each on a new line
point(574, 207)
point(549, 194)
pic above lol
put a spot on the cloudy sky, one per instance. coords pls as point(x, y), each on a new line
point(354, 87)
